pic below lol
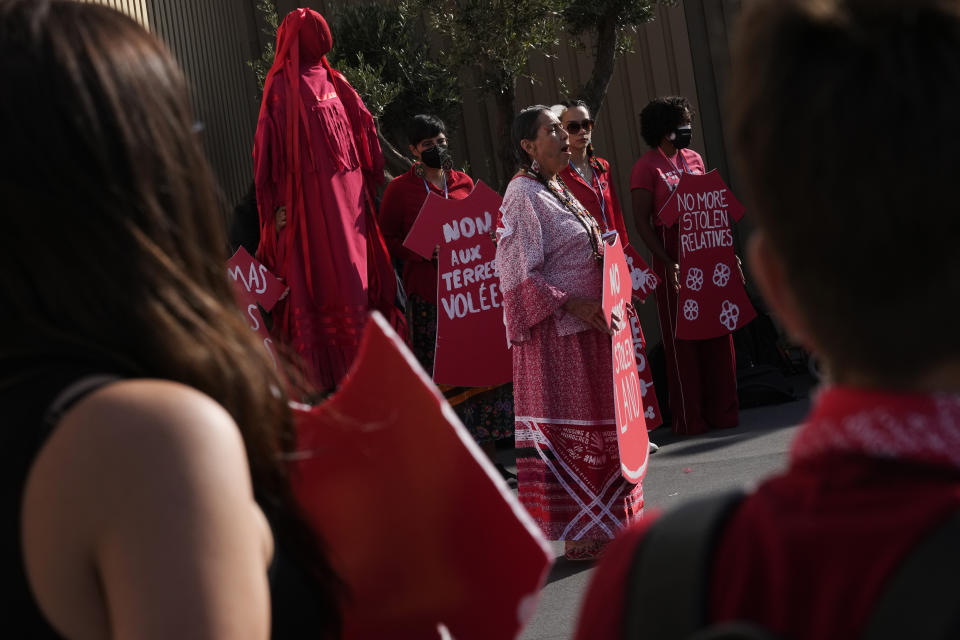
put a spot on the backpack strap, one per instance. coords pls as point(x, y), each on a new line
point(668, 580)
point(921, 598)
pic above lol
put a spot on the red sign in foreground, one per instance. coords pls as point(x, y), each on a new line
point(631, 426)
point(252, 285)
point(712, 301)
point(417, 521)
point(471, 339)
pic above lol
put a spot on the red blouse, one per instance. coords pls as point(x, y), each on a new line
point(596, 193)
point(400, 206)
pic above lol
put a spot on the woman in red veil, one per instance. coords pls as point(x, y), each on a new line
point(316, 162)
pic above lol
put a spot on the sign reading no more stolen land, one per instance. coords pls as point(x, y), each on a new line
point(631, 425)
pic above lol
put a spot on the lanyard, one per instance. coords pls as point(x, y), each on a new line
point(427, 186)
point(599, 191)
point(683, 161)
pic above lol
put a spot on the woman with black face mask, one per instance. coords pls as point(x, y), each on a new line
point(486, 412)
point(701, 374)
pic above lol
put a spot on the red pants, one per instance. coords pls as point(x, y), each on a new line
point(701, 374)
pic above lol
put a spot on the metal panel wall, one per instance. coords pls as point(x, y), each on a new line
point(136, 9)
point(212, 40)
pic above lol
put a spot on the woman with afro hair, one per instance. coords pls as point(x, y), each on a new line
point(701, 374)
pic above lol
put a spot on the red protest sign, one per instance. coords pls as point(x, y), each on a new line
point(643, 281)
point(386, 473)
point(631, 425)
point(642, 278)
point(253, 284)
point(471, 339)
point(712, 301)
point(651, 407)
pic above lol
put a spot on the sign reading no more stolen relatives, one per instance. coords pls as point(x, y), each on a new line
point(712, 301)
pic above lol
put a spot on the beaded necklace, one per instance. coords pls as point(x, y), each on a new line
point(571, 204)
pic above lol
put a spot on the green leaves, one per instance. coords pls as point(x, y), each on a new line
point(261, 65)
point(494, 37)
point(384, 52)
point(586, 17)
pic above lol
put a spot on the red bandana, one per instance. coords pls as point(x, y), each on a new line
point(921, 427)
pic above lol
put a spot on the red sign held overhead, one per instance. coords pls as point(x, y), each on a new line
point(712, 301)
point(252, 285)
point(631, 425)
point(471, 339)
point(385, 472)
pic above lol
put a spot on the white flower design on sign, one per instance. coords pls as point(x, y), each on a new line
point(649, 413)
point(648, 280)
point(691, 310)
point(694, 279)
point(641, 279)
point(644, 387)
point(729, 315)
point(721, 275)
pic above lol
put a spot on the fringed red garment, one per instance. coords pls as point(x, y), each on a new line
point(316, 153)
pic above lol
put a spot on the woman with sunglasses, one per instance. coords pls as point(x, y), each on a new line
point(589, 177)
point(586, 175)
point(487, 412)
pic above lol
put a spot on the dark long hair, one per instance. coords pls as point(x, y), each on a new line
point(112, 237)
point(525, 128)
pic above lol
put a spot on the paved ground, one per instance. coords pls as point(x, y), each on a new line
point(684, 467)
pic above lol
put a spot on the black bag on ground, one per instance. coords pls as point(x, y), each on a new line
point(762, 385)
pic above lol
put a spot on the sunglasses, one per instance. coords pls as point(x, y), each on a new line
point(574, 127)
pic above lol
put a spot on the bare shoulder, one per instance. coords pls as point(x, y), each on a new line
point(138, 481)
point(131, 412)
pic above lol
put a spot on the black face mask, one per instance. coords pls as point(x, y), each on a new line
point(437, 157)
point(682, 136)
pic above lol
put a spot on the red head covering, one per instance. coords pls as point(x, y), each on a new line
point(303, 40)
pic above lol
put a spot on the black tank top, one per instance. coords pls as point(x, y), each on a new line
point(28, 391)
point(34, 393)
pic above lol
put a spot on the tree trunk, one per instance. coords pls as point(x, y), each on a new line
point(396, 163)
point(595, 90)
point(506, 102)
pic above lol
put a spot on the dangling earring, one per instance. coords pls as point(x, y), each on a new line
point(535, 167)
point(418, 169)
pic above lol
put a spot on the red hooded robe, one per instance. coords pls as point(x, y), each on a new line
point(316, 153)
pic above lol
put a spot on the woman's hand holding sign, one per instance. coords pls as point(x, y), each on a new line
point(591, 312)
